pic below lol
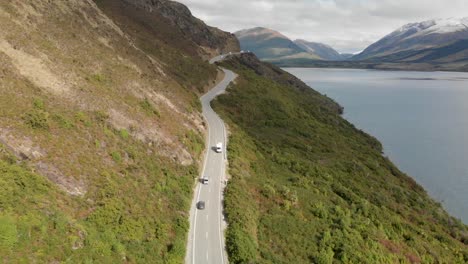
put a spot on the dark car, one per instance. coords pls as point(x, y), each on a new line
point(201, 205)
point(204, 181)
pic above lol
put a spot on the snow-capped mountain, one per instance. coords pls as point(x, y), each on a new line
point(439, 26)
point(418, 36)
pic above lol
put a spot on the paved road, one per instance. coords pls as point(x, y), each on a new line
point(206, 236)
point(223, 56)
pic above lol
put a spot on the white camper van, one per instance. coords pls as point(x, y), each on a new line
point(219, 147)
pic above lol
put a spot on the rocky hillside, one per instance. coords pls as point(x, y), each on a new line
point(100, 128)
point(210, 41)
point(418, 37)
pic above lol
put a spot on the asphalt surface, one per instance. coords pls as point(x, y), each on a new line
point(206, 236)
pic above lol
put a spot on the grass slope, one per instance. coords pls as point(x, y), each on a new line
point(308, 187)
point(134, 211)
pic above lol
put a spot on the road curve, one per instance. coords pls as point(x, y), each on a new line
point(206, 236)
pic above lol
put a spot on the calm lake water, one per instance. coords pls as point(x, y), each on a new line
point(421, 118)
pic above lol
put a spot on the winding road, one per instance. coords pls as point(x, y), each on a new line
point(206, 236)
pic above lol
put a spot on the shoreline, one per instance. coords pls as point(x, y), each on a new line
point(426, 179)
point(425, 67)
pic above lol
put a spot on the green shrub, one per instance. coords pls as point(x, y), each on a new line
point(101, 117)
point(83, 118)
point(39, 104)
point(268, 191)
point(325, 256)
point(37, 119)
point(240, 246)
point(97, 78)
point(116, 156)
point(124, 134)
point(194, 142)
point(149, 109)
point(319, 210)
point(62, 121)
point(108, 132)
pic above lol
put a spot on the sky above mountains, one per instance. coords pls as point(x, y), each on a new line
point(347, 25)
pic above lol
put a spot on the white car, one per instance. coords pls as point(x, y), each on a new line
point(219, 147)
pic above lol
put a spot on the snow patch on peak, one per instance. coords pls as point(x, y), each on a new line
point(416, 26)
point(450, 25)
point(439, 26)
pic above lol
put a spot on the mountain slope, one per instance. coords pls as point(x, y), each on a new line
point(456, 52)
point(418, 36)
point(268, 44)
point(274, 47)
point(308, 187)
point(100, 128)
point(324, 51)
point(184, 26)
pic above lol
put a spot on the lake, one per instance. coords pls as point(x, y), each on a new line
point(421, 118)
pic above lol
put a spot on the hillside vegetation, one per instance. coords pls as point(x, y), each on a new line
point(308, 187)
point(100, 128)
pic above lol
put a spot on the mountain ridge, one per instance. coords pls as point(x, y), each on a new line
point(324, 51)
point(431, 45)
point(268, 44)
point(180, 17)
point(273, 46)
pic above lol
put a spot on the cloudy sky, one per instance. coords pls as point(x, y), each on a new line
point(346, 25)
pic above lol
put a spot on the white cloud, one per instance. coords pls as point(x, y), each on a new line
point(347, 25)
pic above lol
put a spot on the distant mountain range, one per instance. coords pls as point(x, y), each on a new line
point(438, 44)
point(271, 45)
